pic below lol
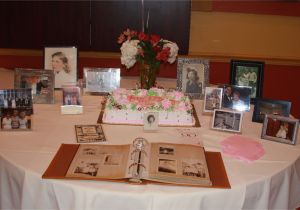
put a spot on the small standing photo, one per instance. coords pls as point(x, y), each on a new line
point(71, 95)
point(212, 99)
point(40, 81)
point(236, 97)
point(151, 121)
point(63, 61)
point(16, 119)
point(192, 76)
point(280, 129)
point(248, 73)
point(269, 106)
point(227, 120)
point(101, 80)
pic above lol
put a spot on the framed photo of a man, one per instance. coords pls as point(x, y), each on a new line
point(269, 106)
point(63, 61)
point(40, 81)
point(101, 80)
point(248, 73)
point(280, 129)
point(192, 76)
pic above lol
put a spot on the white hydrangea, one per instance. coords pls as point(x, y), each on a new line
point(173, 50)
point(129, 50)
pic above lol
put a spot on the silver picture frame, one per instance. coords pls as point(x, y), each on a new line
point(101, 80)
point(192, 76)
point(280, 129)
point(227, 120)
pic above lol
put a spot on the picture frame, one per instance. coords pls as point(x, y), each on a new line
point(16, 98)
point(280, 129)
point(227, 120)
point(41, 82)
point(212, 99)
point(71, 95)
point(63, 60)
point(101, 80)
point(248, 73)
point(268, 106)
point(192, 76)
point(236, 97)
point(89, 133)
point(15, 119)
point(151, 120)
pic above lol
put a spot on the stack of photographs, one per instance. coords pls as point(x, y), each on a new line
point(16, 109)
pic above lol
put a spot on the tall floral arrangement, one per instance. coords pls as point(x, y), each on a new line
point(149, 50)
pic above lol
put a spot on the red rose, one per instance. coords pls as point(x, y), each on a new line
point(154, 39)
point(143, 36)
point(163, 55)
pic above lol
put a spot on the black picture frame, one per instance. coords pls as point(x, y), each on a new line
point(263, 106)
point(254, 76)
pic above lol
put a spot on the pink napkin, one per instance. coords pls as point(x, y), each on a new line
point(242, 148)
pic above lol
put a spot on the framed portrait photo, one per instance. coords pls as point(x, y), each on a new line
point(40, 81)
point(248, 73)
point(236, 97)
point(268, 106)
point(64, 62)
point(101, 80)
point(192, 76)
point(280, 129)
point(212, 99)
point(151, 121)
point(227, 120)
point(16, 119)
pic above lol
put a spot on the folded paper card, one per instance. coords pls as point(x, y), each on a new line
point(242, 148)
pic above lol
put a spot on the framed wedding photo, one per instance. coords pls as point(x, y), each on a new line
point(212, 99)
point(280, 129)
point(40, 81)
point(226, 120)
point(248, 73)
point(101, 80)
point(268, 106)
point(64, 62)
point(192, 76)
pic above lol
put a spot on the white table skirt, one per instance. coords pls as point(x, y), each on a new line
point(272, 182)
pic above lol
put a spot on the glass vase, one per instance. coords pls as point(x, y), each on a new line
point(148, 74)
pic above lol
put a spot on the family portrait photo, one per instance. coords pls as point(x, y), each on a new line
point(192, 76)
point(101, 80)
point(63, 61)
point(15, 119)
point(71, 95)
point(40, 81)
point(16, 98)
point(227, 120)
point(248, 73)
point(281, 129)
point(236, 97)
point(151, 120)
point(212, 99)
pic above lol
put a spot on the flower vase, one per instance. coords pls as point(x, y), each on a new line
point(148, 74)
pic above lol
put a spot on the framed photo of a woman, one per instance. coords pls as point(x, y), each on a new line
point(192, 76)
point(248, 73)
point(63, 61)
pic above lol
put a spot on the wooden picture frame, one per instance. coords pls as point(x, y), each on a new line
point(64, 62)
point(268, 106)
point(280, 129)
point(192, 76)
point(248, 73)
point(227, 120)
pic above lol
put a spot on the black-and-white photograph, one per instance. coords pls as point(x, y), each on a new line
point(16, 98)
point(151, 121)
point(16, 119)
point(212, 99)
point(166, 151)
point(87, 167)
point(63, 61)
point(280, 129)
point(40, 81)
point(193, 168)
point(167, 166)
point(236, 97)
point(101, 80)
point(89, 133)
point(227, 120)
point(71, 95)
point(192, 76)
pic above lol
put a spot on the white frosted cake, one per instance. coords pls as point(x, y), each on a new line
point(128, 107)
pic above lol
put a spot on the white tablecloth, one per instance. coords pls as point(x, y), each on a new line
point(272, 182)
